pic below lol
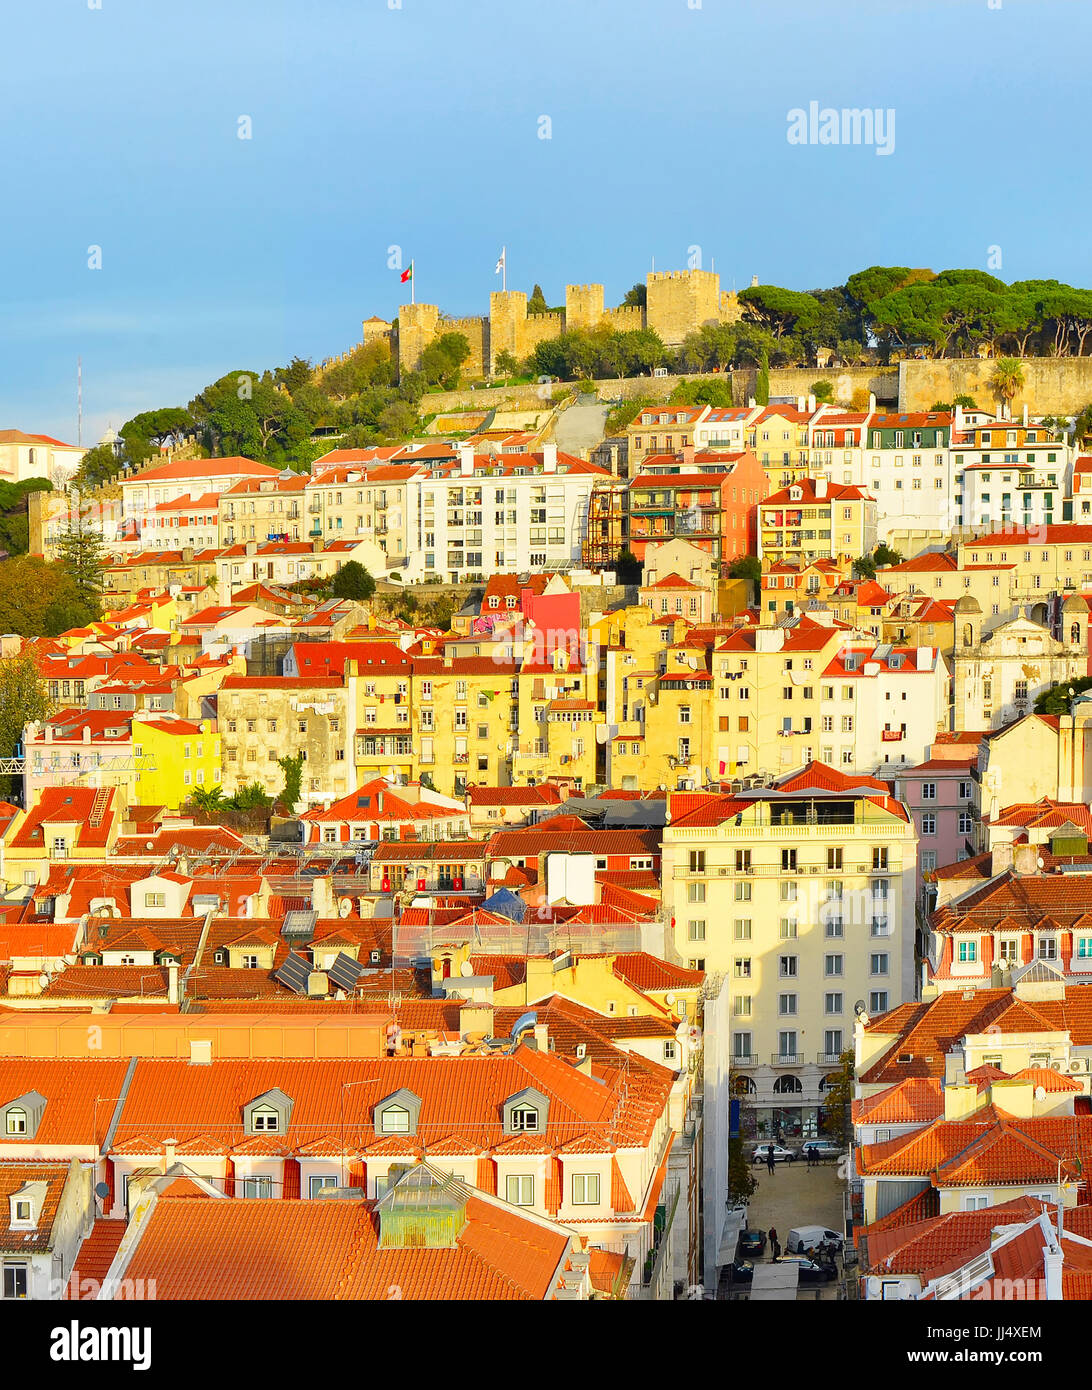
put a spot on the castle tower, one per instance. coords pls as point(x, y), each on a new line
point(507, 324)
point(583, 306)
point(417, 325)
point(680, 301)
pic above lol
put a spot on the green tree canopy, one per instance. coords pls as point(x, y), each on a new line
point(352, 581)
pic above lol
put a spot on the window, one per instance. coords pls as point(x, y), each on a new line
point(834, 858)
point(742, 892)
point(1048, 948)
point(695, 892)
point(265, 1118)
point(877, 1001)
point(965, 822)
point(787, 967)
point(786, 1004)
point(741, 967)
point(928, 825)
point(520, 1190)
point(928, 791)
point(741, 1006)
point(695, 930)
point(395, 1119)
point(318, 1185)
point(833, 964)
point(788, 929)
point(697, 861)
point(585, 1190)
point(832, 1003)
point(525, 1118)
point(742, 929)
point(16, 1122)
point(1084, 949)
point(257, 1187)
point(877, 963)
point(15, 1281)
point(879, 857)
point(1010, 949)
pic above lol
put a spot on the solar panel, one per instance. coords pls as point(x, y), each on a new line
point(294, 973)
point(299, 925)
point(345, 971)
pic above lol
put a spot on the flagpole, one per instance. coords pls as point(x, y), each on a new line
point(412, 283)
point(504, 269)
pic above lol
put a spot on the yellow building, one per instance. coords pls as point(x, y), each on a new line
point(463, 719)
point(803, 896)
point(555, 720)
point(182, 756)
point(263, 509)
point(813, 519)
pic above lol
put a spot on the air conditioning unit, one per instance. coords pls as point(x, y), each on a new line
point(723, 872)
point(1057, 1066)
point(1078, 1064)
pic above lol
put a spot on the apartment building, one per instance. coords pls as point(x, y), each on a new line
point(1009, 473)
point(816, 520)
point(998, 677)
point(707, 498)
point(907, 466)
point(941, 576)
point(802, 893)
point(181, 480)
point(264, 718)
point(262, 509)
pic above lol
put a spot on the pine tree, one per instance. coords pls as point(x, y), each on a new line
point(80, 553)
point(762, 381)
point(23, 700)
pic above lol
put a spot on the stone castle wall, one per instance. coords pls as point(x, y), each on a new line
point(678, 303)
point(1052, 385)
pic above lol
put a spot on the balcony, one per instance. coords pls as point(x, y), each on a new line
point(828, 1059)
point(786, 1059)
point(750, 1060)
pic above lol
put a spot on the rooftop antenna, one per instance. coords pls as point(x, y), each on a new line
point(79, 401)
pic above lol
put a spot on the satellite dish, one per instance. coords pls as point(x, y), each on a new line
point(859, 1007)
point(43, 980)
point(345, 906)
point(1039, 861)
point(102, 1189)
point(60, 965)
point(466, 969)
point(669, 999)
point(1040, 1093)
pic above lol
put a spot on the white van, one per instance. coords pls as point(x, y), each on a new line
point(805, 1238)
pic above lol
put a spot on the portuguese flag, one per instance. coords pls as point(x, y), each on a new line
point(407, 274)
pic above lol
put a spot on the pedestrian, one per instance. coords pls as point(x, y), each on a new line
point(777, 1250)
point(772, 1237)
point(811, 1156)
point(769, 1158)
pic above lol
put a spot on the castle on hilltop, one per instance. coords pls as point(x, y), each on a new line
point(677, 303)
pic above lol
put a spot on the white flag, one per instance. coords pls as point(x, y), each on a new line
point(500, 263)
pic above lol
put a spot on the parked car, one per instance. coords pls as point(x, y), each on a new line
point(752, 1242)
point(743, 1271)
point(821, 1148)
point(804, 1238)
point(780, 1153)
point(810, 1272)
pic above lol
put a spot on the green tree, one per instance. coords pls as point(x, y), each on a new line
point(1007, 379)
point(747, 567)
point(352, 581)
point(99, 465)
point(536, 303)
point(838, 1099)
point(209, 801)
point(252, 797)
point(967, 402)
point(944, 407)
point(36, 597)
point(23, 700)
point(742, 1183)
point(292, 767)
point(506, 364)
point(762, 381)
point(885, 555)
point(627, 568)
point(441, 362)
point(822, 390)
point(398, 420)
point(82, 555)
point(637, 297)
point(1058, 698)
point(865, 567)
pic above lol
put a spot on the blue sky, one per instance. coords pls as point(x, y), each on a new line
point(418, 127)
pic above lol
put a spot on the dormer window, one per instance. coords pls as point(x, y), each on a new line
point(20, 1118)
point(397, 1113)
point(526, 1112)
point(525, 1118)
point(268, 1113)
point(16, 1122)
point(22, 1212)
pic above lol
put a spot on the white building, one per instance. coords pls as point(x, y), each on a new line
point(897, 699)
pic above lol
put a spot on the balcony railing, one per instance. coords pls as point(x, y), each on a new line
point(786, 1059)
point(828, 1059)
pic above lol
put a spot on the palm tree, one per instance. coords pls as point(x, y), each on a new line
point(208, 800)
point(1008, 377)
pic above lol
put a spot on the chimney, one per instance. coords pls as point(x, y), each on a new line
point(957, 423)
point(687, 454)
point(252, 547)
point(751, 402)
point(1052, 1269)
point(801, 402)
point(466, 460)
point(476, 1018)
point(820, 487)
point(1025, 413)
point(168, 1154)
point(542, 1037)
point(1025, 859)
point(871, 402)
point(172, 984)
point(549, 458)
point(769, 639)
point(319, 545)
point(811, 405)
point(1001, 857)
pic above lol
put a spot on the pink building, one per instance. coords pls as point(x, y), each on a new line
point(941, 796)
